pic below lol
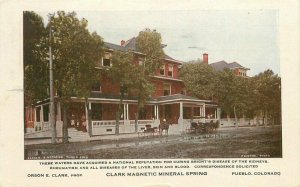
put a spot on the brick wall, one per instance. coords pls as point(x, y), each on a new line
point(176, 87)
point(108, 87)
point(109, 111)
point(175, 70)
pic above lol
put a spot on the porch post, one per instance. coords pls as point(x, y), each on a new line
point(58, 111)
point(154, 111)
point(181, 110)
point(180, 120)
point(204, 112)
point(157, 111)
point(34, 115)
point(42, 116)
point(200, 111)
point(127, 112)
point(88, 111)
point(215, 113)
point(124, 112)
point(219, 113)
point(192, 113)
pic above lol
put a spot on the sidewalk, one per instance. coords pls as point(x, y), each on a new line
point(47, 140)
point(93, 138)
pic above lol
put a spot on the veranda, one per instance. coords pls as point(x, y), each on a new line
point(98, 115)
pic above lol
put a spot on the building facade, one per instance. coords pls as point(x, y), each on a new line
point(169, 101)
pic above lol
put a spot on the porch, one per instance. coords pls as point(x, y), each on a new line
point(98, 115)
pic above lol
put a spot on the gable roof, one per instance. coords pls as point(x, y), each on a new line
point(131, 45)
point(221, 65)
point(114, 47)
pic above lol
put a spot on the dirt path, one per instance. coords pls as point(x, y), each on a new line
point(229, 143)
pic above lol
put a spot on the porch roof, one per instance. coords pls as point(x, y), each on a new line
point(115, 98)
point(169, 99)
point(176, 98)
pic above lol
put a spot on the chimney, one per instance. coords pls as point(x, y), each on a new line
point(205, 58)
point(122, 42)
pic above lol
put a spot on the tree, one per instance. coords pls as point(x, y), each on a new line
point(36, 74)
point(232, 93)
point(199, 78)
point(149, 43)
point(123, 73)
point(267, 89)
point(75, 53)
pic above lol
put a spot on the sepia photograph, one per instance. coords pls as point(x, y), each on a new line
point(151, 84)
point(149, 93)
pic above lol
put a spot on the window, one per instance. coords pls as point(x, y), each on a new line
point(141, 61)
point(123, 89)
point(162, 70)
point(183, 92)
point(37, 114)
point(167, 89)
point(106, 60)
point(97, 87)
point(46, 112)
point(170, 71)
point(96, 111)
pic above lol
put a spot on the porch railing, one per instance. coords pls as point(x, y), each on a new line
point(41, 126)
point(46, 126)
point(141, 122)
point(113, 122)
point(105, 123)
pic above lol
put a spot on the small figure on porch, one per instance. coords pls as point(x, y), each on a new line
point(83, 123)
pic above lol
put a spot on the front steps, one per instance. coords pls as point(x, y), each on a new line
point(77, 136)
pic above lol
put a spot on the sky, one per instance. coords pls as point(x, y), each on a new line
point(249, 37)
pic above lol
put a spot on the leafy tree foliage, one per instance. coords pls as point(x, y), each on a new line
point(34, 55)
point(148, 42)
point(231, 93)
point(75, 54)
point(123, 72)
point(243, 97)
point(136, 77)
point(267, 89)
point(199, 79)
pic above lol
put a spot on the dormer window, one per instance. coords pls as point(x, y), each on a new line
point(170, 71)
point(141, 61)
point(106, 60)
point(162, 70)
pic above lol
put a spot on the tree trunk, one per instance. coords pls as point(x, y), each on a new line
point(65, 123)
point(89, 118)
point(235, 117)
point(53, 129)
point(263, 121)
point(118, 115)
point(266, 118)
point(117, 122)
point(136, 120)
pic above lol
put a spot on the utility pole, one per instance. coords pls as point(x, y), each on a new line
point(52, 110)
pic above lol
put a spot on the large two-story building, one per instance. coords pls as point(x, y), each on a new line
point(169, 101)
